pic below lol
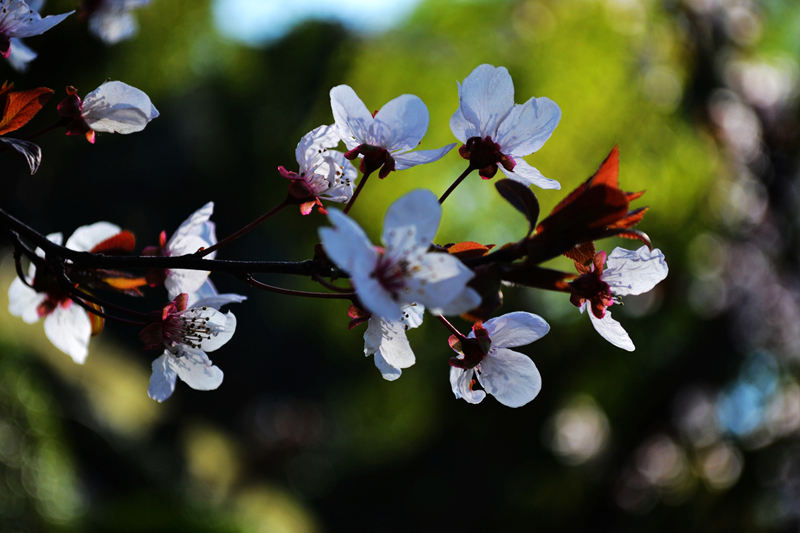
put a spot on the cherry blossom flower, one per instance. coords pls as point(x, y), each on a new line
point(186, 334)
point(114, 107)
point(495, 131)
point(387, 341)
point(66, 324)
point(385, 138)
point(404, 272)
point(111, 20)
point(509, 376)
point(194, 233)
point(628, 272)
point(323, 173)
point(18, 19)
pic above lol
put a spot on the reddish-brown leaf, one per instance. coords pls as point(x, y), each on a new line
point(122, 243)
point(583, 254)
point(21, 106)
point(469, 249)
point(608, 173)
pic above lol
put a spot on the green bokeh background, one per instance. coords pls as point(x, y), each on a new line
point(304, 435)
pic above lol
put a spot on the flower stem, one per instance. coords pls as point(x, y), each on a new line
point(456, 183)
point(450, 326)
point(358, 190)
point(325, 283)
point(291, 292)
point(60, 123)
point(230, 238)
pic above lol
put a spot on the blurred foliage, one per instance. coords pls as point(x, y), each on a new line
point(304, 435)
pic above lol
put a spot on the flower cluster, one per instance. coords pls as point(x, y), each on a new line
point(389, 286)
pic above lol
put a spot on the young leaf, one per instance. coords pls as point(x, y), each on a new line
point(19, 107)
point(522, 198)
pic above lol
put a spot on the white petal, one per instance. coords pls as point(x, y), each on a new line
point(413, 314)
point(313, 144)
point(375, 298)
point(24, 301)
point(197, 225)
point(347, 245)
point(515, 329)
point(69, 329)
point(420, 157)
point(487, 97)
point(21, 21)
point(222, 333)
point(341, 185)
point(411, 223)
point(112, 25)
point(388, 372)
point(353, 119)
point(528, 175)
point(528, 126)
point(87, 237)
point(510, 377)
point(460, 383)
point(468, 300)
point(401, 124)
point(116, 107)
point(196, 371)
point(162, 380)
point(216, 301)
point(460, 127)
point(612, 331)
point(20, 55)
point(188, 281)
point(439, 279)
point(388, 337)
point(634, 272)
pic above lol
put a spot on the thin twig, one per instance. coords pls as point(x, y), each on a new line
point(291, 292)
point(230, 238)
point(356, 193)
point(456, 183)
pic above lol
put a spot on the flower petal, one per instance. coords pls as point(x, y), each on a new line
point(353, 119)
point(28, 23)
point(87, 237)
point(439, 280)
point(389, 338)
point(215, 300)
point(401, 124)
point(347, 245)
point(375, 298)
point(196, 371)
point(411, 223)
point(388, 372)
point(528, 175)
point(68, 327)
point(612, 331)
point(528, 126)
point(515, 329)
point(460, 380)
point(511, 377)
point(420, 157)
point(314, 143)
point(24, 301)
point(487, 97)
point(222, 333)
point(468, 300)
point(112, 25)
point(634, 272)
point(460, 126)
point(197, 225)
point(162, 380)
point(116, 107)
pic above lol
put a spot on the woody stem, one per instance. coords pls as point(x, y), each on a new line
point(232, 237)
point(291, 292)
point(450, 326)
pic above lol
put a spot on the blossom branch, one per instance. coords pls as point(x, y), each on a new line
point(291, 292)
point(230, 238)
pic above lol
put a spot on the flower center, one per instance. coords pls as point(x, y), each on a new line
point(189, 330)
point(484, 154)
point(391, 274)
